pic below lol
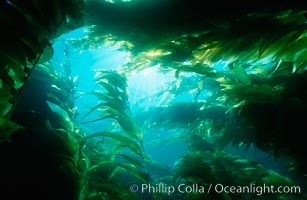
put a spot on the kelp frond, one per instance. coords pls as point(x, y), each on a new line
point(20, 53)
point(207, 168)
point(125, 142)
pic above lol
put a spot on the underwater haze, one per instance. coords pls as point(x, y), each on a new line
point(153, 100)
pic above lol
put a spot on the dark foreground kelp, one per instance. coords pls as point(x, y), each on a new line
point(39, 146)
point(42, 158)
point(239, 80)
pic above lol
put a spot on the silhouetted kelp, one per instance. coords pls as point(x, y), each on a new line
point(38, 143)
point(42, 159)
point(256, 98)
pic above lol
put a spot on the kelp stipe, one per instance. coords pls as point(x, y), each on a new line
point(117, 155)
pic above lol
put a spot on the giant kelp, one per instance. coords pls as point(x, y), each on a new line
point(46, 150)
point(261, 64)
point(117, 155)
point(253, 99)
point(38, 142)
point(261, 49)
point(206, 168)
point(27, 29)
point(240, 115)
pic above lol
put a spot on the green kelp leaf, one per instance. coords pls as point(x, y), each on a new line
point(64, 104)
point(99, 119)
point(282, 69)
point(198, 69)
point(109, 87)
point(44, 75)
point(114, 108)
point(301, 68)
point(119, 107)
point(130, 168)
point(6, 104)
point(112, 111)
point(125, 120)
point(131, 159)
point(7, 128)
point(57, 91)
point(239, 72)
point(125, 140)
point(289, 51)
point(46, 54)
point(58, 109)
point(20, 73)
point(105, 164)
point(93, 109)
point(63, 120)
point(244, 46)
point(274, 178)
point(113, 89)
point(83, 163)
point(272, 45)
point(198, 164)
point(193, 169)
point(5, 108)
point(18, 81)
point(112, 100)
point(248, 56)
point(100, 95)
point(6, 93)
point(300, 60)
point(113, 78)
point(66, 140)
point(135, 172)
point(128, 124)
point(6, 78)
point(115, 171)
point(121, 157)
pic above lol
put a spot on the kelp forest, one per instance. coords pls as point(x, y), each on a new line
point(155, 100)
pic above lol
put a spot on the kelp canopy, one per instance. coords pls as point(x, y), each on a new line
point(251, 58)
point(239, 76)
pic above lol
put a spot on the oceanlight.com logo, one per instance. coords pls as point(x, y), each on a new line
point(217, 188)
point(257, 189)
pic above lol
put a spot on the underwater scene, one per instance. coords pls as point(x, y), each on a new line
point(153, 100)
